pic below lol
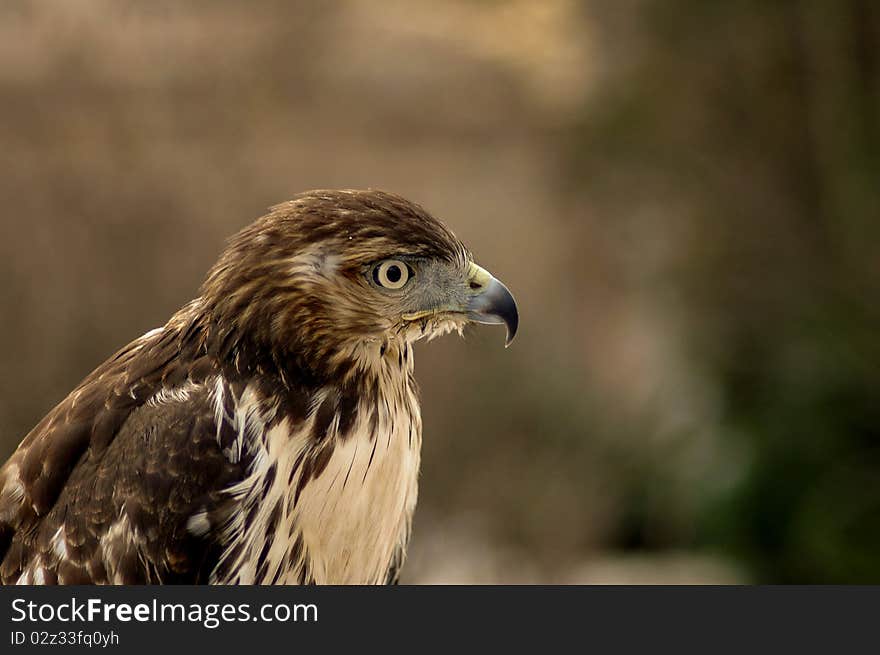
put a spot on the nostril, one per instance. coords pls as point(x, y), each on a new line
point(476, 285)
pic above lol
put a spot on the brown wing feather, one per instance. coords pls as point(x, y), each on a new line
point(102, 449)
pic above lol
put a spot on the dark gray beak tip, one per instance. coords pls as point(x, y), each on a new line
point(511, 322)
point(495, 305)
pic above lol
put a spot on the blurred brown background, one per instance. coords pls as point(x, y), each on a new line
point(683, 195)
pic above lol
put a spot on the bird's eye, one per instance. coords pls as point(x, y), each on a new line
point(392, 274)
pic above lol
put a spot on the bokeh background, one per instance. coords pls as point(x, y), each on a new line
point(684, 196)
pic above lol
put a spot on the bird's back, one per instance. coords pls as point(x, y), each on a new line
point(99, 490)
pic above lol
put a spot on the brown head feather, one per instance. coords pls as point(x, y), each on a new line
point(293, 283)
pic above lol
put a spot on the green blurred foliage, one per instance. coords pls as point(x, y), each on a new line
point(756, 126)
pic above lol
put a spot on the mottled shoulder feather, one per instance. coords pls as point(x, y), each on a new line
point(88, 417)
point(110, 474)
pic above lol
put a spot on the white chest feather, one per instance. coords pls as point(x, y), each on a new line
point(333, 512)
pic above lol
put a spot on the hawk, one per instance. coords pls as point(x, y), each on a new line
point(270, 432)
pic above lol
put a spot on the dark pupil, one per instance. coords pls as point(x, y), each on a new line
point(393, 274)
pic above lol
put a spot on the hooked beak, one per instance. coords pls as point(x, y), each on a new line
point(491, 302)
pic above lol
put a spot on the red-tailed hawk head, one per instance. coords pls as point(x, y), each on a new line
point(329, 271)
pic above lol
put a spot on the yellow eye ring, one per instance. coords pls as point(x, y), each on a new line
point(391, 274)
